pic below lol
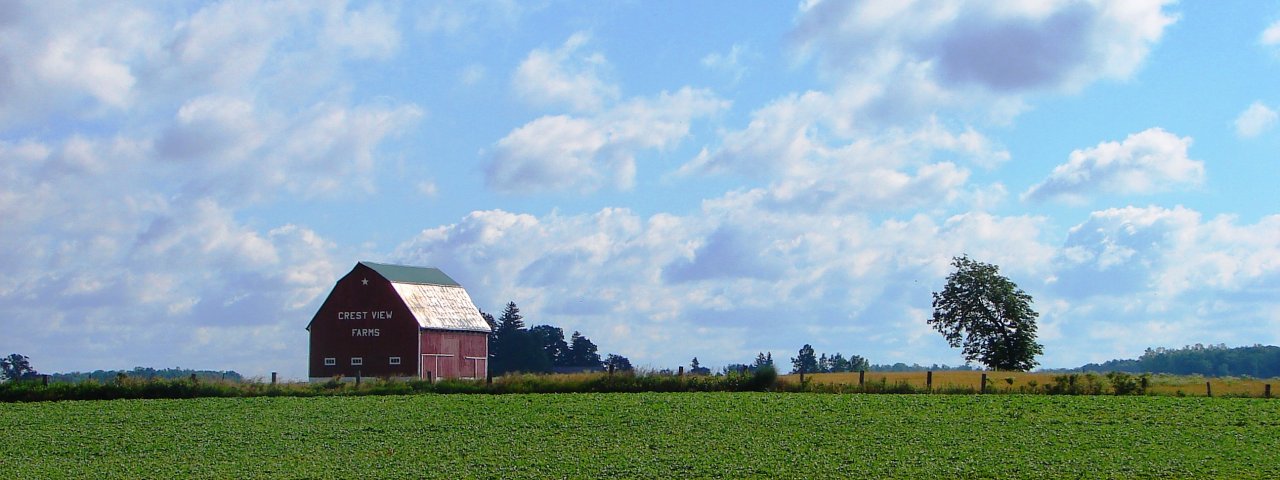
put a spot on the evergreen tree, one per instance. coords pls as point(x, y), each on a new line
point(510, 320)
point(696, 368)
point(762, 359)
point(513, 348)
point(806, 362)
point(582, 353)
point(839, 363)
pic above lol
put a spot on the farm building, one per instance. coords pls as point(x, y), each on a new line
point(398, 321)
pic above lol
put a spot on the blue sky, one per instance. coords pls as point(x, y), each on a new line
point(182, 182)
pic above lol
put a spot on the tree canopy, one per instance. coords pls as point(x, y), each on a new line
point(988, 315)
point(16, 367)
point(806, 362)
point(514, 348)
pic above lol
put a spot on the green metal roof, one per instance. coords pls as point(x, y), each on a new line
point(407, 274)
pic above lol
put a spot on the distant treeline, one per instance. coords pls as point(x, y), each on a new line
point(1258, 361)
point(915, 367)
point(145, 373)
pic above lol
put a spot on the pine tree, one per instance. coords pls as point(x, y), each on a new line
point(807, 362)
point(582, 353)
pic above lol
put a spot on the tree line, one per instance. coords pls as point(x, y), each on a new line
point(1259, 361)
point(542, 348)
point(18, 367)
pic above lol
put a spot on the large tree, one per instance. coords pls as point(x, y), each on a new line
point(552, 340)
point(618, 362)
point(16, 367)
point(988, 315)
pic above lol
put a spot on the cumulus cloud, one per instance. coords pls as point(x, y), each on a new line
point(586, 153)
point(994, 46)
point(142, 138)
point(747, 278)
point(821, 160)
point(1145, 162)
point(730, 63)
point(566, 76)
point(1174, 276)
point(1271, 36)
point(1255, 120)
point(96, 268)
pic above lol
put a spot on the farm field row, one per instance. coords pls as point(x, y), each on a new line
point(644, 435)
point(1034, 382)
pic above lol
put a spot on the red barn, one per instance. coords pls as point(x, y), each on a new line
point(398, 321)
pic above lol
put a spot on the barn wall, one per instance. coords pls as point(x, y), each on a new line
point(455, 354)
point(348, 325)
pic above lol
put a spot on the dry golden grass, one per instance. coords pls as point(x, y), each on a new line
point(1030, 382)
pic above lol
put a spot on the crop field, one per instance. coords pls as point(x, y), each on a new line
point(1035, 382)
point(654, 435)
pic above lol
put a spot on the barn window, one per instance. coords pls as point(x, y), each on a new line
point(395, 360)
point(330, 361)
point(357, 360)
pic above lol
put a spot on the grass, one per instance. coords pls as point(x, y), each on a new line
point(645, 435)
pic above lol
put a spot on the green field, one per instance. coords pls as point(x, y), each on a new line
point(645, 435)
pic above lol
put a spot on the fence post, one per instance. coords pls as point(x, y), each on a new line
point(432, 380)
point(928, 381)
point(1267, 391)
point(862, 374)
point(1208, 389)
point(273, 378)
point(193, 378)
point(45, 378)
point(610, 369)
point(680, 373)
point(357, 378)
point(983, 387)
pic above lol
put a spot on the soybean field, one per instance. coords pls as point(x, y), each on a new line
point(645, 435)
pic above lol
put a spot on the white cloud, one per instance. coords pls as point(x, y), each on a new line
point(566, 76)
point(1271, 36)
point(1149, 161)
point(1255, 120)
point(147, 137)
point(100, 273)
point(750, 279)
point(459, 17)
point(585, 153)
point(729, 63)
point(994, 46)
point(819, 159)
point(367, 33)
point(745, 278)
point(1140, 277)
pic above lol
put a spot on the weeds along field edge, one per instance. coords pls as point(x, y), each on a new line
point(943, 382)
point(644, 435)
point(1041, 382)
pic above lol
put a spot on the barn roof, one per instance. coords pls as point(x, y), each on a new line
point(437, 301)
point(407, 274)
